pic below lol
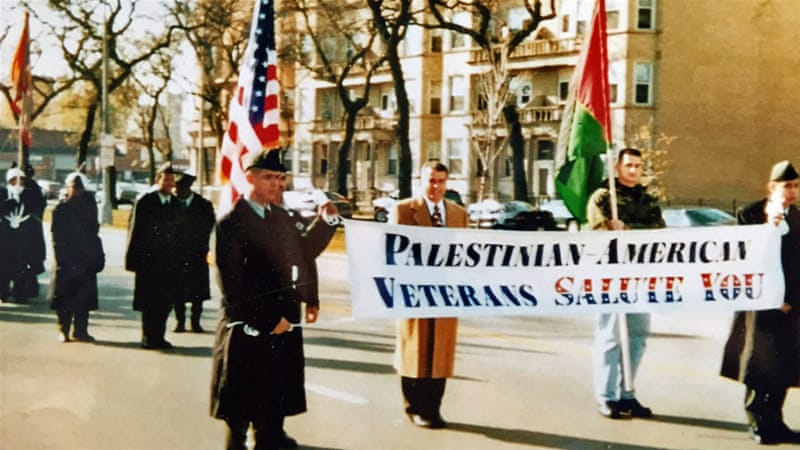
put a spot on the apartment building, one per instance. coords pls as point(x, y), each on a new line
point(716, 78)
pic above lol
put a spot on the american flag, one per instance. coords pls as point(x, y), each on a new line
point(254, 113)
point(21, 82)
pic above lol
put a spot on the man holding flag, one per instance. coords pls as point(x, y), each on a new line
point(585, 135)
point(636, 210)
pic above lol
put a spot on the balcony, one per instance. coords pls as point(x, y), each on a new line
point(363, 123)
point(528, 116)
point(533, 49)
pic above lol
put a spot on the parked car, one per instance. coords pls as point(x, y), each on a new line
point(130, 191)
point(529, 220)
point(564, 219)
point(485, 212)
point(383, 206)
point(344, 204)
point(696, 217)
point(303, 203)
point(50, 188)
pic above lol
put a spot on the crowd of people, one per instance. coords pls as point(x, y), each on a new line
point(265, 255)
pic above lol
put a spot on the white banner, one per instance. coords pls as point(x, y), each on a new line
point(408, 271)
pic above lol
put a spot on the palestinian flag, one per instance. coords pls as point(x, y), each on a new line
point(586, 125)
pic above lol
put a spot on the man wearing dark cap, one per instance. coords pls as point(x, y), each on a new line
point(763, 349)
point(195, 216)
point(258, 364)
point(151, 255)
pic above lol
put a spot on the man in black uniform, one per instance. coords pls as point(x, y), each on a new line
point(763, 349)
point(258, 363)
point(151, 255)
point(196, 219)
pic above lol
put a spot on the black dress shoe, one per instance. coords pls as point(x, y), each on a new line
point(179, 328)
point(610, 409)
point(430, 423)
point(786, 435)
point(762, 435)
point(287, 442)
point(634, 408)
point(197, 329)
point(83, 337)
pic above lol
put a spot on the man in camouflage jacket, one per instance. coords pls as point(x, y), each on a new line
point(636, 210)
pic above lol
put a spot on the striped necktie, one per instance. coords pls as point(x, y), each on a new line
point(436, 217)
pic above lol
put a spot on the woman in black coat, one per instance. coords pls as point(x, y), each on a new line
point(79, 257)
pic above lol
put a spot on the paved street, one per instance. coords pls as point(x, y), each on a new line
point(522, 383)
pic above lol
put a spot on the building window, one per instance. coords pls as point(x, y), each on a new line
point(456, 155)
point(612, 92)
point(643, 83)
point(305, 160)
point(545, 150)
point(391, 161)
point(646, 12)
point(435, 96)
point(565, 23)
point(563, 90)
point(580, 27)
point(288, 159)
point(524, 94)
point(436, 42)
point(612, 20)
point(457, 40)
point(457, 91)
point(323, 160)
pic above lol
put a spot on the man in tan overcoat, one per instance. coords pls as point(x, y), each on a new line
point(426, 347)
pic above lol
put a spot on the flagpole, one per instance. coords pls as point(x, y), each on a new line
point(622, 318)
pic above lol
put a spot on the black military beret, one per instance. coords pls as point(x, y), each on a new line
point(185, 178)
point(267, 159)
point(783, 171)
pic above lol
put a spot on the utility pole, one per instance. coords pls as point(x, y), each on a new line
point(106, 138)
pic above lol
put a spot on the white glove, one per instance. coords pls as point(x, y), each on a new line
point(16, 217)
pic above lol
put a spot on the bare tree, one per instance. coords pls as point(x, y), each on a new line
point(217, 31)
point(80, 27)
point(344, 42)
point(152, 83)
point(489, 31)
point(392, 18)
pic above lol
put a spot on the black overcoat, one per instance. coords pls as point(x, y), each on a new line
point(23, 249)
point(194, 227)
point(151, 252)
point(255, 377)
point(78, 254)
point(763, 349)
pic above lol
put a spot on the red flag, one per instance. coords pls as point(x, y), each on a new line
point(586, 126)
point(21, 83)
point(254, 114)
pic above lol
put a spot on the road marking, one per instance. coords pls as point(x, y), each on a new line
point(337, 394)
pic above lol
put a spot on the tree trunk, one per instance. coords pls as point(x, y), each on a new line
point(86, 135)
point(344, 152)
point(403, 124)
point(517, 143)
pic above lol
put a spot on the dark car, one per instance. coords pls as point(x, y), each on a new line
point(344, 205)
point(534, 220)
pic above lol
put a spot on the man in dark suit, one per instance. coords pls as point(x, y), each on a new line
point(195, 216)
point(151, 255)
point(763, 349)
point(258, 364)
point(426, 347)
